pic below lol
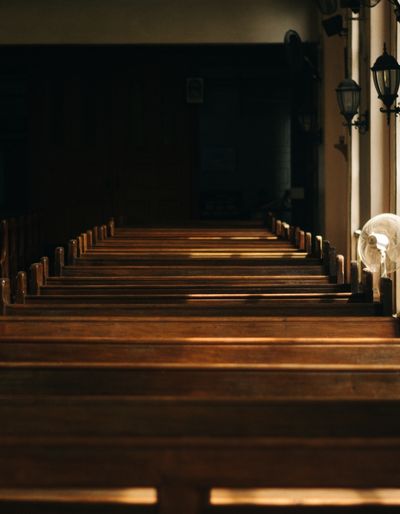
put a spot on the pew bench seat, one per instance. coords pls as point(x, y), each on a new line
point(229, 329)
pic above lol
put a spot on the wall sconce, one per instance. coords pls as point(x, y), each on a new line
point(348, 97)
point(396, 5)
point(386, 75)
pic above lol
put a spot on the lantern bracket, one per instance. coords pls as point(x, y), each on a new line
point(395, 110)
point(362, 123)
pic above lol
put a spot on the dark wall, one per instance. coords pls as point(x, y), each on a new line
point(94, 131)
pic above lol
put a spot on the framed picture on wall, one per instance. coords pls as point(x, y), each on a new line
point(194, 90)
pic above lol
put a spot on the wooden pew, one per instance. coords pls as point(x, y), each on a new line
point(273, 353)
point(187, 447)
point(178, 412)
point(200, 328)
point(298, 380)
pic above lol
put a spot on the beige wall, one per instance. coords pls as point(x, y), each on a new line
point(380, 138)
point(154, 21)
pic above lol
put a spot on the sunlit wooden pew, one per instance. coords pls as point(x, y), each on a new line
point(187, 448)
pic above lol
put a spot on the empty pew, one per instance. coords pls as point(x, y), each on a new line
point(181, 411)
point(186, 448)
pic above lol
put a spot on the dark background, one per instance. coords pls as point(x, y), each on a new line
point(87, 132)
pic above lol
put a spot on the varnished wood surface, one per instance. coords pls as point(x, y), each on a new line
point(123, 270)
point(276, 263)
point(129, 416)
point(122, 372)
point(167, 280)
point(206, 297)
point(120, 442)
point(200, 329)
point(298, 381)
point(68, 307)
point(253, 288)
point(269, 354)
point(67, 501)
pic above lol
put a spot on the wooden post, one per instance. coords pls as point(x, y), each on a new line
point(368, 286)
point(59, 261)
point(80, 245)
point(89, 237)
point(22, 287)
point(309, 249)
point(302, 240)
point(95, 235)
point(278, 228)
point(354, 279)
point(45, 267)
point(36, 278)
point(297, 236)
point(5, 295)
point(339, 269)
point(4, 251)
point(332, 264)
point(72, 251)
point(318, 247)
point(325, 255)
point(99, 233)
point(104, 231)
point(111, 227)
point(285, 230)
point(183, 499)
point(386, 293)
point(84, 242)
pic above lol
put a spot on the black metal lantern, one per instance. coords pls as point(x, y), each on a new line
point(348, 96)
point(386, 75)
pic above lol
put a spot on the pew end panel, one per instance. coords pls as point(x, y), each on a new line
point(59, 261)
point(22, 287)
point(111, 227)
point(72, 252)
point(318, 244)
point(95, 232)
point(89, 235)
point(44, 261)
point(309, 244)
point(5, 294)
point(36, 278)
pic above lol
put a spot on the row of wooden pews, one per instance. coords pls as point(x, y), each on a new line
point(198, 370)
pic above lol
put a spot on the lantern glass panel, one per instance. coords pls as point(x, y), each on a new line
point(387, 85)
point(348, 97)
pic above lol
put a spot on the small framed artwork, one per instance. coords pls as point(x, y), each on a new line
point(194, 90)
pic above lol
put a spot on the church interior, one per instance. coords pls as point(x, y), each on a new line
point(199, 238)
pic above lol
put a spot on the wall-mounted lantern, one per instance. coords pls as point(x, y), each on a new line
point(386, 75)
point(348, 96)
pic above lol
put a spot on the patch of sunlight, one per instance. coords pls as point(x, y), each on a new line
point(258, 255)
point(131, 496)
point(305, 497)
point(267, 295)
